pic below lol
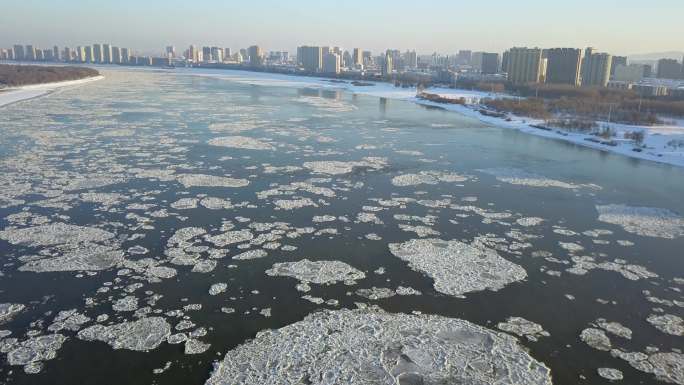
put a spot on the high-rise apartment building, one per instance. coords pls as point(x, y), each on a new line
point(193, 54)
point(311, 58)
point(563, 66)
point(489, 63)
point(596, 68)
point(80, 54)
point(331, 63)
point(524, 65)
point(125, 56)
point(387, 66)
point(255, 55)
point(98, 56)
point(217, 54)
point(116, 55)
point(19, 53)
point(617, 60)
point(411, 58)
point(628, 73)
point(227, 54)
point(89, 54)
point(170, 51)
point(206, 54)
point(464, 57)
point(107, 53)
point(357, 57)
point(669, 69)
point(30, 53)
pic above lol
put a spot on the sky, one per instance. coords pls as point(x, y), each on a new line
point(617, 26)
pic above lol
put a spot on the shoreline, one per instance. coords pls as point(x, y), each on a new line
point(11, 95)
point(655, 141)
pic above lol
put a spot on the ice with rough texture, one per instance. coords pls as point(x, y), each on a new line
point(370, 346)
point(333, 167)
point(596, 338)
point(142, 335)
point(645, 221)
point(33, 351)
point(242, 142)
point(218, 288)
point(666, 366)
point(202, 180)
point(458, 268)
point(523, 178)
point(522, 327)
point(610, 374)
point(9, 310)
point(317, 272)
point(90, 258)
point(667, 323)
point(54, 234)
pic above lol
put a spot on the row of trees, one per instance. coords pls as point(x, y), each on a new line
point(21, 75)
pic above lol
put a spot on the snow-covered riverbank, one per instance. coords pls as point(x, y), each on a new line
point(656, 142)
point(17, 94)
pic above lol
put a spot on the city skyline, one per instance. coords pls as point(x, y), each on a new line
point(430, 27)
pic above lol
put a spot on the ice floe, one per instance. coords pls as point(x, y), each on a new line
point(202, 180)
point(667, 323)
point(369, 346)
point(338, 167)
point(645, 221)
point(317, 272)
point(523, 178)
point(142, 335)
point(523, 328)
point(242, 142)
point(458, 268)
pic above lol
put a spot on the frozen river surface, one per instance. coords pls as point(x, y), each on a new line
point(163, 228)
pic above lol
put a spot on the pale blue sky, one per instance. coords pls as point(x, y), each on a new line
point(617, 26)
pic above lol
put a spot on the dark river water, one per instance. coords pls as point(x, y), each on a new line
point(116, 156)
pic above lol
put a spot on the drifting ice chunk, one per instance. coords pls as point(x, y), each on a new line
point(644, 221)
point(522, 327)
point(369, 346)
point(141, 335)
point(318, 272)
point(54, 234)
point(242, 142)
point(458, 268)
point(201, 180)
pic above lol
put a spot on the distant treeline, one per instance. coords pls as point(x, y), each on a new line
point(22, 75)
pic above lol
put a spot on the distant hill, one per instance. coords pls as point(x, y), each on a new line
point(655, 56)
point(22, 75)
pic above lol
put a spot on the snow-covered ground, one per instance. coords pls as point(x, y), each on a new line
point(16, 94)
point(655, 143)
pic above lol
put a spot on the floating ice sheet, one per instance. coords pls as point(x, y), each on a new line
point(9, 310)
point(458, 268)
point(318, 272)
point(202, 180)
point(87, 258)
point(520, 177)
point(54, 234)
point(142, 335)
point(242, 142)
point(645, 221)
point(522, 327)
point(333, 167)
point(369, 346)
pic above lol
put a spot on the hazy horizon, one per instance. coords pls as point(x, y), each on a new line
point(378, 25)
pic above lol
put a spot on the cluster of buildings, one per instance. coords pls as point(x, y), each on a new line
point(517, 66)
point(573, 67)
point(93, 54)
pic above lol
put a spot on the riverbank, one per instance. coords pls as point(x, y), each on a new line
point(13, 95)
point(660, 144)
